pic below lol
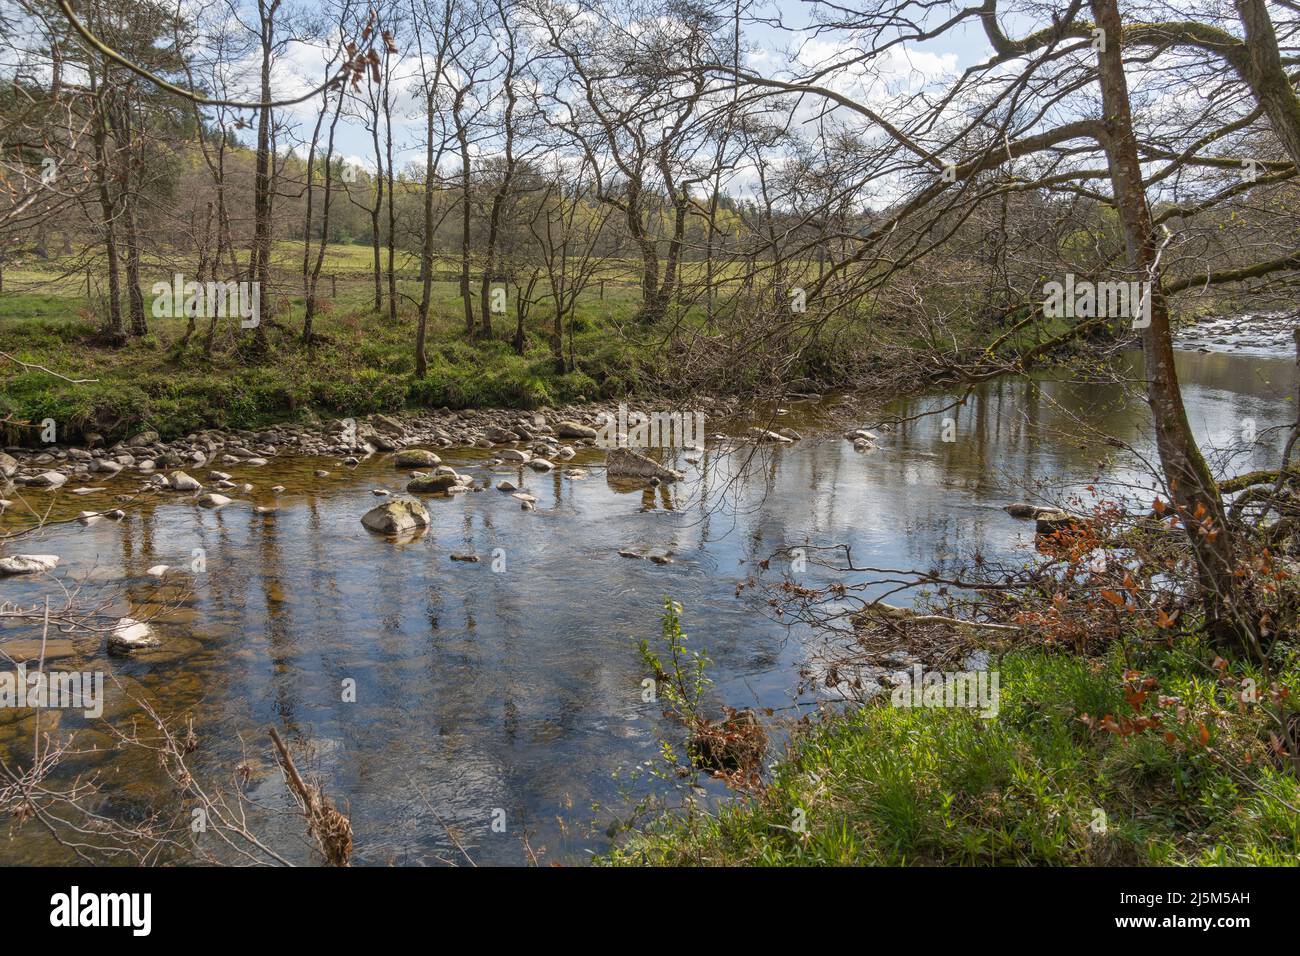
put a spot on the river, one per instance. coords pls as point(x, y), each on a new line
point(514, 684)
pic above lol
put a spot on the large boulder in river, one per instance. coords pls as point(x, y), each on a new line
point(183, 482)
point(626, 463)
point(570, 429)
point(28, 563)
point(396, 516)
point(416, 458)
point(48, 479)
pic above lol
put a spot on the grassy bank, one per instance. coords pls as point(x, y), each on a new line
point(360, 363)
point(889, 785)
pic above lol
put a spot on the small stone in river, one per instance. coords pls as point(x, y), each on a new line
point(472, 558)
point(573, 474)
point(265, 510)
point(629, 553)
point(540, 464)
point(255, 461)
point(505, 484)
point(277, 489)
point(321, 473)
point(380, 492)
point(211, 500)
point(661, 559)
point(86, 491)
point(158, 570)
point(218, 476)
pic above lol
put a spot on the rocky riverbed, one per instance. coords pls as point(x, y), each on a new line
point(541, 438)
point(1248, 333)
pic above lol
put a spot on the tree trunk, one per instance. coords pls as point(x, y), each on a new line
point(1191, 486)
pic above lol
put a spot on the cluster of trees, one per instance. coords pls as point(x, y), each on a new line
point(776, 180)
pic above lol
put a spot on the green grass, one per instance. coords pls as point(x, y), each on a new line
point(362, 363)
point(885, 785)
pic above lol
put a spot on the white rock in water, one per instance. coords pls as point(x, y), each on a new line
point(86, 491)
point(211, 500)
point(513, 454)
point(540, 464)
point(158, 570)
point(131, 634)
point(255, 461)
point(28, 563)
point(88, 517)
point(48, 479)
point(183, 482)
point(505, 484)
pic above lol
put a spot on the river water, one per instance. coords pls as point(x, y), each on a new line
point(518, 689)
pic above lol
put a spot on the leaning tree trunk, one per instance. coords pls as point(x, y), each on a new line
point(1191, 486)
